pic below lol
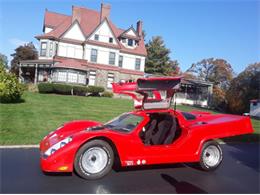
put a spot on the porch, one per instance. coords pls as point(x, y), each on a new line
point(34, 71)
point(194, 92)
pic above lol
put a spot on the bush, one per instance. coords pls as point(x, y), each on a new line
point(107, 94)
point(62, 89)
point(10, 89)
point(95, 90)
point(45, 87)
point(24, 87)
point(80, 90)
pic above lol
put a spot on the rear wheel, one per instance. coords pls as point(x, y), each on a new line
point(211, 156)
point(94, 160)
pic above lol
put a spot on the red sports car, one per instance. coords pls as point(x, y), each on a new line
point(153, 133)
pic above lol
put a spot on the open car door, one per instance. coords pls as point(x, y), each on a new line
point(150, 93)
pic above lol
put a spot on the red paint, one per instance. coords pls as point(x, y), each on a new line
point(186, 148)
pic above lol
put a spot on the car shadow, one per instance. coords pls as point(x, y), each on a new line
point(183, 187)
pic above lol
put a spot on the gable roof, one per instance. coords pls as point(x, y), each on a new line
point(125, 35)
point(89, 20)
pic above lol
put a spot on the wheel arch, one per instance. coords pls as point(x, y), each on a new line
point(110, 142)
point(202, 144)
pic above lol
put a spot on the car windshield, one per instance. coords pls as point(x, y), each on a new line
point(125, 122)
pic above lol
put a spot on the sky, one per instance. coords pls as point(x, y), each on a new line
point(192, 29)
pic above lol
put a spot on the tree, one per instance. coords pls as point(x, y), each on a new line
point(218, 71)
point(4, 60)
point(25, 52)
point(243, 88)
point(158, 60)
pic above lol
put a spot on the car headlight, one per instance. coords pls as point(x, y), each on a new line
point(57, 146)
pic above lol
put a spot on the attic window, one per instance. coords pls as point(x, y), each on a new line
point(96, 37)
point(110, 40)
point(130, 42)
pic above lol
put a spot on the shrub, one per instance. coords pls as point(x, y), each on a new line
point(80, 90)
point(95, 90)
point(24, 86)
point(107, 94)
point(62, 89)
point(10, 88)
point(45, 88)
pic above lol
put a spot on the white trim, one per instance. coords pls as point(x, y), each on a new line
point(19, 146)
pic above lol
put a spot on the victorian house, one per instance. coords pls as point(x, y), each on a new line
point(86, 48)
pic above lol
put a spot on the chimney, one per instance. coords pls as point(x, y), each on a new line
point(105, 11)
point(76, 14)
point(139, 28)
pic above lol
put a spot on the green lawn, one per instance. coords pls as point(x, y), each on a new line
point(30, 121)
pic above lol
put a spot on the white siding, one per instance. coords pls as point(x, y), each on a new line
point(129, 61)
point(47, 30)
point(74, 33)
point(104, 32)
point(131, 33)
point(102, 54)
point(70, 50)
point(103, 57)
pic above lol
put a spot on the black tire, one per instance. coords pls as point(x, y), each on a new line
point(210, 150)
point(83, 159)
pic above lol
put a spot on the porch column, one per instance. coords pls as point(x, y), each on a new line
point(36, 74)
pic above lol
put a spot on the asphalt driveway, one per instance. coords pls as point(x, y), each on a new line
point(239, 173)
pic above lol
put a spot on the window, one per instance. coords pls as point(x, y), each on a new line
point(137, 63)
point(123, 40)
point(110, 80)
point(43, 48)
point(130, 42)
point(92, 77)
point(112, 57)
point(110, 40)
point(72, 77)
point(62, 76)
point(51, 49)
point(82, 78)
point(120, 62)
point(93, 57)
point(96, 37)
point(125, 122)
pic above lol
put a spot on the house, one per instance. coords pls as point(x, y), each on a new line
point(195, 92)
point(86, 48)
point(255, 108)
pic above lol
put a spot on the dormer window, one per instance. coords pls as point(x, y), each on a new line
point(123, 40)
point(130, 42)
point(96, 37)
point(110, 40)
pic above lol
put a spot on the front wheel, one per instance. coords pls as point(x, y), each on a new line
point(211, 156)
point(94, 160)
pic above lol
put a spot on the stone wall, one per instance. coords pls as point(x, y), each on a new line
point(102, 76)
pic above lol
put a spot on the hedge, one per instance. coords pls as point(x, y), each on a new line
point(45, 88)
point(107, 94)
point(66, 89)
point(62, 89)
point(80, 90)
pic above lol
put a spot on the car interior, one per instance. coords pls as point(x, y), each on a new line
point(162, 129)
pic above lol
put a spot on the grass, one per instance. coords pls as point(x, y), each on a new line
point(28, 122)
